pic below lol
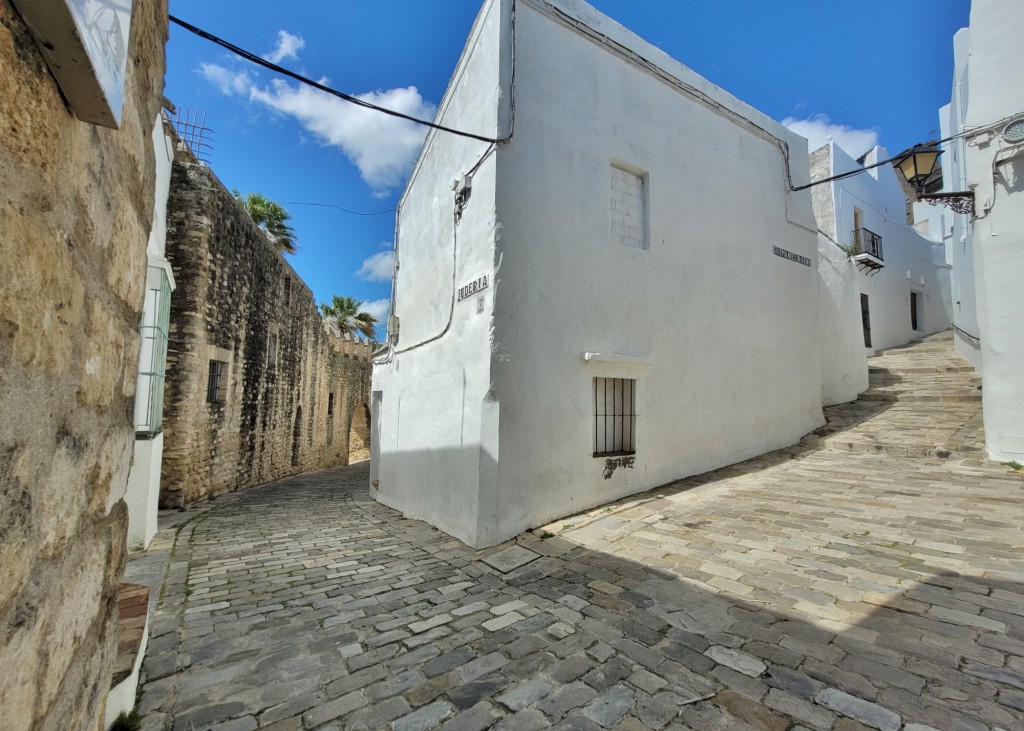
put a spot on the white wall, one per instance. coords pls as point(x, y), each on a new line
point(995, 170)
point(486, 418)
point(913, 263)
point(143, 489)
point(163, 145)
point(121, 698)
point(143, 493)
point(958, 228)
point(844, 364)
point(436, 435)
point(725, 331)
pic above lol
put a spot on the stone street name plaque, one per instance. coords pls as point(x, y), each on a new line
point(791, 256)
point(477, 285)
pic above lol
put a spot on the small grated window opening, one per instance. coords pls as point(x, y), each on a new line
point(287, 290)
point(330, 404)
point(271, 350)
point(217, 386)
point(614, 416)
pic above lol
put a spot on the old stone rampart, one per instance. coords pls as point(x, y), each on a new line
point(291, 387)
point(76, 207)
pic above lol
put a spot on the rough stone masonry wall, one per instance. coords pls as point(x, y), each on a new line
point(230, 297)
point(76, 203)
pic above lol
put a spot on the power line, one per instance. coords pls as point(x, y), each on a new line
point(252, 57)
point(346, 210)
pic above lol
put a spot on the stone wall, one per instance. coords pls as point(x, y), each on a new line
point(822, 196)
point(279, 414)
point(76, 206)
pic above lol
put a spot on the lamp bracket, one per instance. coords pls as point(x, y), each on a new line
point(960, 202)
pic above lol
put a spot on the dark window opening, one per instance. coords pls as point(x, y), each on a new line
point(865, 317)
point(330, 404)
point(614, 417)
point(287, 290)
point(297, 437)
point(217, 386)
point(271, 350)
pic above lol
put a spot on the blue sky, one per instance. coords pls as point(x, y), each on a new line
point(866, 71)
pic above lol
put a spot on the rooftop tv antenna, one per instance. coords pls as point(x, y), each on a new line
point(190, 125)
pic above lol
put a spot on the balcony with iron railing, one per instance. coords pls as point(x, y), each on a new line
point(867, 249)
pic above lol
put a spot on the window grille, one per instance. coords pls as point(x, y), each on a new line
point(217, 386)
point(271, 351)
point(287, 290)
point(156, 314)
point(614, 416)
point(330, 404)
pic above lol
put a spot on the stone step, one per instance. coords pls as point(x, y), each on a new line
point(941, 380)
point(891, 395)
point(891, 447)
point(923, 401)
point(917, 369)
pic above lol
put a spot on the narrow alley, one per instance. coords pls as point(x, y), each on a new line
point(862, 579)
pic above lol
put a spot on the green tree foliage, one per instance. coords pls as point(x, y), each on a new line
point(347, 313)
point(272, 218)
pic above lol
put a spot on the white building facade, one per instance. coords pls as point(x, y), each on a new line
point(986, 113)
point(622, 294)
point(143, 491)
point(886, 283)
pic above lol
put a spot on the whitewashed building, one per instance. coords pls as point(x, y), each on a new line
point(883, 282)
point(143, 491)
point(986, 114)
point(622, 294)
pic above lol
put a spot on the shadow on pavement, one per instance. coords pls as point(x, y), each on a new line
point(305, 603)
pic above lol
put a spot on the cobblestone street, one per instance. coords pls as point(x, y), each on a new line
point(810, 588)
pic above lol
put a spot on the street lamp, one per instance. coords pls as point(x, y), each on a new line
point(917, 164)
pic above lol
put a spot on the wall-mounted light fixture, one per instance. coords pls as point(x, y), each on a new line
point(917, 164)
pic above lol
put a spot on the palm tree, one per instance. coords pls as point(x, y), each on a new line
point(345, 312)
point(272, 218)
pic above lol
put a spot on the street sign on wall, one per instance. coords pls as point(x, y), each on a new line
point(85, 44)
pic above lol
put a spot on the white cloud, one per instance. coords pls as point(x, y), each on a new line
point(379, 309)
point(381, 146)
point(229, 82)
point(288, 46)
point(378, 267)
point(818, 128)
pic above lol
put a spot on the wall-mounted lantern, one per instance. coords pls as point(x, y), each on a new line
point(917, 164)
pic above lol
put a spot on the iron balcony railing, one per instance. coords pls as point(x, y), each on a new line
point(868, 242)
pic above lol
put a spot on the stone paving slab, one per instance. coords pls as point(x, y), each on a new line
point(923, 401)
point(826, 590)
point(794, 588)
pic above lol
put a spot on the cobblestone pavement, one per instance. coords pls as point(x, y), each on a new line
point(802, 589)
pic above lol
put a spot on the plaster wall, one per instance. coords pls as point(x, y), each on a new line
point(913, 263)
point(163, 146)
point(143, 493)
point(76, 209)
point(236, 298)
point(436, 414)
point(995, 170)
point(844, 367)
point(720, 333)
point(960, 231)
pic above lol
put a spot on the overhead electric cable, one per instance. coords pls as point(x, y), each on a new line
point(248, 56)
point(864, 168)
point(332, 205)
